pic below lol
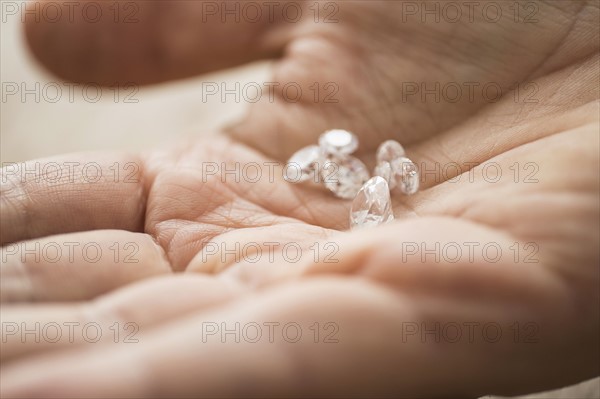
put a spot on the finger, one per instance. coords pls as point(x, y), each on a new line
point(465, 183)
point(450, 270)
point(365, 86)
point(77, 266)
point(153, 41)
point(367, 356)
point(256, 256)
point(508, 199)
point(118, 317)
point(448, 259)
point(537, 109)
point(71, 193)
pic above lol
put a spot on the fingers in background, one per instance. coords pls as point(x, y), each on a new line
point(71, 193)
point(144, 42)
point(77, 266)
point(539, 109)
point(366, 355)
point(462, 271)
point(116, 318)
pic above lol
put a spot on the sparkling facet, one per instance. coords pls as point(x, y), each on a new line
point(302, 165)
point(344, 176)
point(338, 142)
point(389, 150)
point(372, 205)
point(406, 175)
point(384, 169)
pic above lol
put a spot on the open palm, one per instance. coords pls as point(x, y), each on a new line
point(515, 175)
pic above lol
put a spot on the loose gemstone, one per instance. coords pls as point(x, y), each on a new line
point(338, 142)
point(384, 169)
point(344, 176)
point(372, 205)
point(406, 175)
point(389, 150)
point(302, 165)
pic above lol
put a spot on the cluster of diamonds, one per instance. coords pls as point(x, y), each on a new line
point(373, 205)
point(332, 161)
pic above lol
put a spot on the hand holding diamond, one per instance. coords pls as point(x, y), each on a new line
point(432, 265)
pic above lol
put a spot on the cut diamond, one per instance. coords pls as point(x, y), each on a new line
point(344, 176)
point(406, 175)
point(338, 142)
point(384, 169)
point(372, 205)
point(302, 165)
point(389, 150)
point(395, 168)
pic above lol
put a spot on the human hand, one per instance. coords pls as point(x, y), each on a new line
point(374, 289)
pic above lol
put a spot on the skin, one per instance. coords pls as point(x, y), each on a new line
point(174, 214)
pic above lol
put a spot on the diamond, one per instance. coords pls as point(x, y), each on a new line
point(406, 175)
point(372, 205)
point(395, 168)
point(389, 150)
point(344, 176)
point(302, 165)
point(384, 169)
point(338, 142)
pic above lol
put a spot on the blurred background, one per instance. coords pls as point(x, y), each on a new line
point(33, 127)
point(38, 121)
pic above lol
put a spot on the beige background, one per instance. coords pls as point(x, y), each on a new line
point(163, 113)
point(30, 129)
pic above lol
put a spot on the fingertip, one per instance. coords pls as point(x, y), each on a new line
point(143, 42)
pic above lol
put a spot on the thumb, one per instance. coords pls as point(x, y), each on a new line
point(152, 41)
